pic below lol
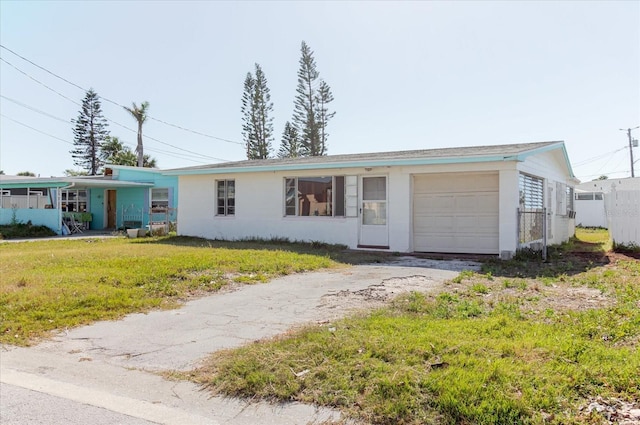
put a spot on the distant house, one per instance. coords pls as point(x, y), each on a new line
point(613, 204)
point(123, 197)
point(482, 199)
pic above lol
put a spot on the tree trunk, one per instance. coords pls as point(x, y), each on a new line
point(139, 148)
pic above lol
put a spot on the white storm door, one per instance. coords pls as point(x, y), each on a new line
point(374, 227)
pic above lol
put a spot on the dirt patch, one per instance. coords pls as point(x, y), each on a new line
point(378, 295)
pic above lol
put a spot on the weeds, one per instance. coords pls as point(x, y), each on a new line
point(487, 354)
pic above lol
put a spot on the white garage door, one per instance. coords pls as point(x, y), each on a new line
point(455, 212)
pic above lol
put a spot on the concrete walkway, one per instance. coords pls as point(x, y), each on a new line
point(109, 367)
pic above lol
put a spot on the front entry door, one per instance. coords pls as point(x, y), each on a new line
point(374, 228)
point(111, 209)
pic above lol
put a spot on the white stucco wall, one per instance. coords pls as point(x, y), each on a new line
point(259, 211)
point(260, 204)
point(551, 167)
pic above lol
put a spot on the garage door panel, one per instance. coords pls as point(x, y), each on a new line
point(449, 183)
point(456, 213)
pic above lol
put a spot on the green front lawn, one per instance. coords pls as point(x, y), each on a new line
point(57, 284)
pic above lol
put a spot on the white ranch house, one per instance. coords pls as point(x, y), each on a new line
point(479, 200)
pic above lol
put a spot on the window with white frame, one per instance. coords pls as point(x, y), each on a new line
point(160, 199)
point(531, 192)
point(315, 196)
point(74, 200)
point(570, 208)
point(531, 211)
point(226, 197)
point(561, 198)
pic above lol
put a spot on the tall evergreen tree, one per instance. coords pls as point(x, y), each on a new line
point(323, 98)
point(89, 134)
point(311, 113)
point(140, 114)
point(257, 125)
point(290, 145)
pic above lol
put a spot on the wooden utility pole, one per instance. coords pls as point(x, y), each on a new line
point(628, 130)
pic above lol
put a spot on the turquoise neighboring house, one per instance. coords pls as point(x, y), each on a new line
point(124, 197)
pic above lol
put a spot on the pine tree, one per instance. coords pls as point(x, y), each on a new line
point(323, 98)
point(304, 117)
point(311, 115)
point(89, 134)
point(257, 127)
point(290, 145)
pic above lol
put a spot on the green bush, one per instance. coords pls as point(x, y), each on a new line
point(24, 230)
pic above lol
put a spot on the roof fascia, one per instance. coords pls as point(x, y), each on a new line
point(39, 185)
point(559, 145)
point(334, 165)
point(132, 168)
point(79, 184)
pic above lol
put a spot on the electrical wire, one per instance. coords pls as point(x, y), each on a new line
point(116, 103)
point(167, 153)
point(115, 122)
point(39, 82)
point(24, 105)
point(35, 129)
point(595, 158)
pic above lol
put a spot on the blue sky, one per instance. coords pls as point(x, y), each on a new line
point(405, 75)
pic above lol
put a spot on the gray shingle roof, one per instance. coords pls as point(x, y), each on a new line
point(440, 153)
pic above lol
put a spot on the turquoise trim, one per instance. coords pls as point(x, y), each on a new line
point(372, 163)
point(559, 145)
point(324, 166)
point(18, 185)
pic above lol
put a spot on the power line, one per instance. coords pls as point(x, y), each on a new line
point(71, 143)
point(35, 129)
point(601, 174)
point(595, 158)
point(24, 105)
point(112, 121)
point(118, 104)
point(39, 82)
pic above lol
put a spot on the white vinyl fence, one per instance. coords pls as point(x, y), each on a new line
point(623, 215)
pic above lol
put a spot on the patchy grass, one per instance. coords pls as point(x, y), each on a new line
point(522, 342)
point(51, 285)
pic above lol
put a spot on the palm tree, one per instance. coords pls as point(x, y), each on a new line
point(140, 114)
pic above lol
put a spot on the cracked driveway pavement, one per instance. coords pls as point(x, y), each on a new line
point(106, 365)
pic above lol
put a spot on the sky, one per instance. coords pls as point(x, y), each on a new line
point(404, 75)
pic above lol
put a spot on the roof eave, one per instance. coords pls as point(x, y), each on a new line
point(558, 145)
point(334, 165)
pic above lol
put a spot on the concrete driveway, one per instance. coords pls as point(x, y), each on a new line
point(110, 368)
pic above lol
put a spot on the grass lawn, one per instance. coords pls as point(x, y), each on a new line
point(58, 284)
point(521, 342)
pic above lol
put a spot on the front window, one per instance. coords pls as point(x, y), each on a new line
point(314, 196)
point(160, 199)
point(74, 200)
point(226, 197)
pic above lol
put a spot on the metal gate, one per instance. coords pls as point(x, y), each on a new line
point(532, 229)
